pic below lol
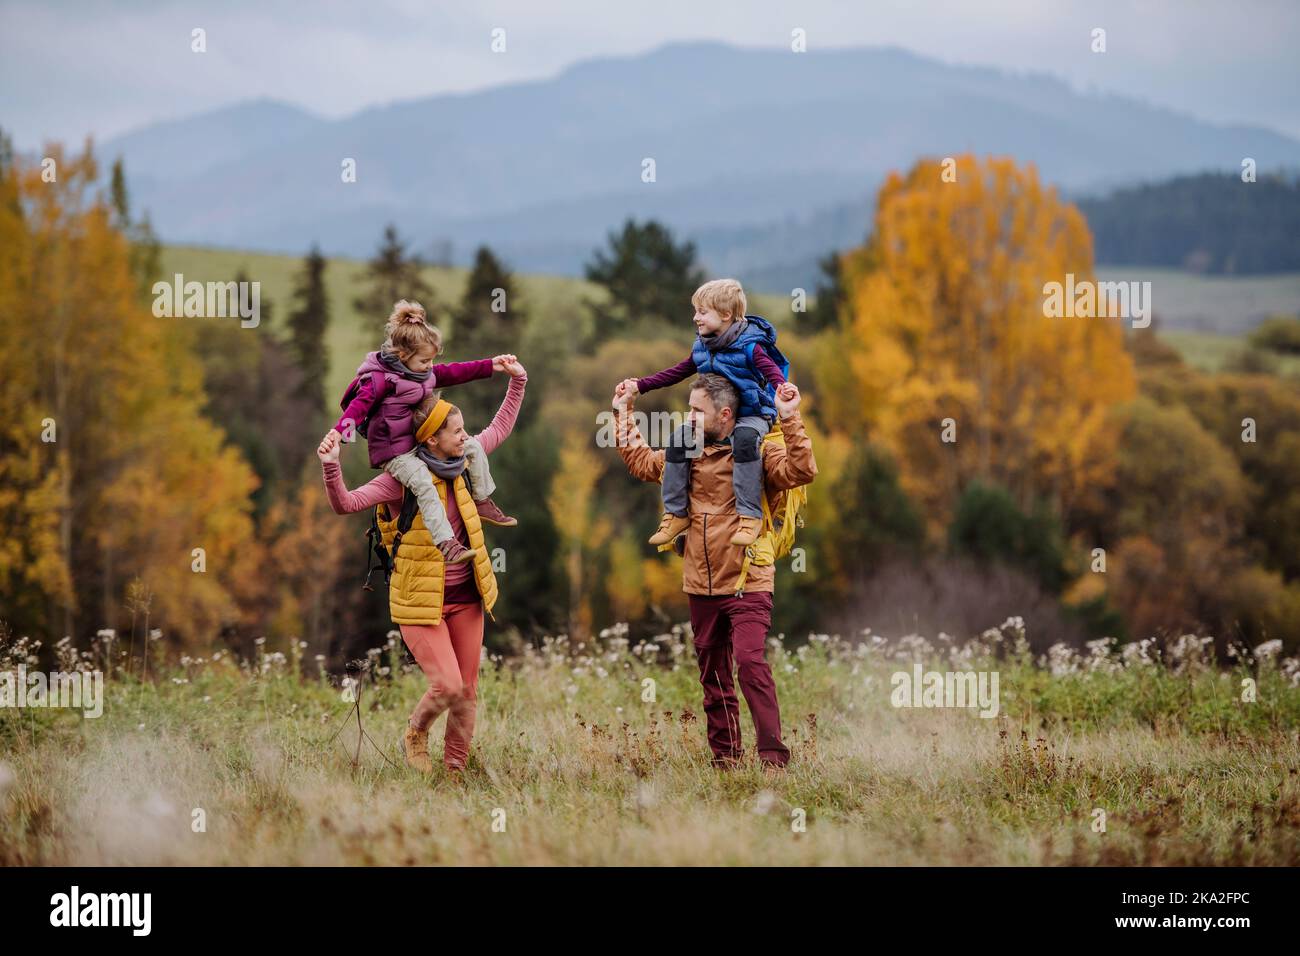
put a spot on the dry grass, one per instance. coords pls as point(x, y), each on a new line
point(581, 771)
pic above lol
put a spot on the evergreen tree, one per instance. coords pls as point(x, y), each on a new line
point(649, 278)
point(989, 526)
point(830, 299)
point(489, 320)
point(308, 323)
point(393, 275)
point(146, 251)
point(118, 195)
point(877, 520)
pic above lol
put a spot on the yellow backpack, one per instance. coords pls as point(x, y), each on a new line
point(782, 515)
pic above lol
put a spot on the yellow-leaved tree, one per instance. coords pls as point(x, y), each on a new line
point(111, 474)
point(945, 336)
point(581, 527)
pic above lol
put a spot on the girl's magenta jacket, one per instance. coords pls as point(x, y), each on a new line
point(391, 431)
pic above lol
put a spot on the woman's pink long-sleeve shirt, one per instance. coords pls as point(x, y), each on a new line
point(387, 489)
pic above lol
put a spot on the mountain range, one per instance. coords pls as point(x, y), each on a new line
point(767, 159)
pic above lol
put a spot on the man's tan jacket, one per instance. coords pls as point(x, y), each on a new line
point(711, 562)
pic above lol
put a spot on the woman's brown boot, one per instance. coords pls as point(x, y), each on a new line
point(415, 748)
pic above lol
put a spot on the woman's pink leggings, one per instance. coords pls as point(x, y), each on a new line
point(448, 654)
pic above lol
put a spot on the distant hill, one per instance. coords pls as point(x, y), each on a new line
point(185, 149)
point(767, 157)
point(1209, 223)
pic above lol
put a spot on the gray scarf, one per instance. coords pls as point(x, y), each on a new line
point(721, 340)
point(448, 469)
point(391, 360)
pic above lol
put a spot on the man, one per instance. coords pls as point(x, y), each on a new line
point(724, 623)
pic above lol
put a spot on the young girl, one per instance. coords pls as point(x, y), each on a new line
point(381, 401)
point(743, 348)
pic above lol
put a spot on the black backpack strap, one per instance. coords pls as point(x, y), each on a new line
point(410, 508)
point(377, 557)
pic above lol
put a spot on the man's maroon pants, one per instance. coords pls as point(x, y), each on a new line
point(727, 626)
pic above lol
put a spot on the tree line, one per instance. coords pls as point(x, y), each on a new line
point(976, 459)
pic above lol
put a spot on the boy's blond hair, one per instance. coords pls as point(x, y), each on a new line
point(721, 295)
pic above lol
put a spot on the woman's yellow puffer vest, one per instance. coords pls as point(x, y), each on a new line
point(416, 589)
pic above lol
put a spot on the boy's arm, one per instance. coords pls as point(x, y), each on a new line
point(669, 376)
point(767, 367)
point(503, 422)
point(642, 461)
point(359, 407)
point(790, 465)
point(458, 373)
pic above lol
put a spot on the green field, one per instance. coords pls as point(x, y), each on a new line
point(1227, 306)
point(1211, 353)
point(1108, 757)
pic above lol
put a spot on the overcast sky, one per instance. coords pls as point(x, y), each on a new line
point(68, 69)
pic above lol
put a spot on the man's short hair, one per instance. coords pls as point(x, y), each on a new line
point(719, 389)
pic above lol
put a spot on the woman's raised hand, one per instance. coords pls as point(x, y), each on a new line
point(501, 363)
point(329, 447)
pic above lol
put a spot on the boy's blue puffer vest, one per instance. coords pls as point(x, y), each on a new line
point(736, 362)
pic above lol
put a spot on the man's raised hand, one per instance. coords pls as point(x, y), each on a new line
point(788, 399)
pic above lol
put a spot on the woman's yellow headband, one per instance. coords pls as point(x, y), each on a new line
point(434, 421)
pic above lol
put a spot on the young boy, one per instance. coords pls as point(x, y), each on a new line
point(742, 348)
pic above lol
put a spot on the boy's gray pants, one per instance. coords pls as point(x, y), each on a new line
point(415, 475)
point(746, 468)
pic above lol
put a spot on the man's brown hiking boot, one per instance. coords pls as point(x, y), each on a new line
point(489, 512)
point(748, 531)
point(453, 552)
point(669, 527)
point(415, 748)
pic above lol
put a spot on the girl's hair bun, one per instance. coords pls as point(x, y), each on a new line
point(408, 330)
point(405, 311)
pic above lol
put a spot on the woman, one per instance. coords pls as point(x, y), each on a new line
point(439, 607)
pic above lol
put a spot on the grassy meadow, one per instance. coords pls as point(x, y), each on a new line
point(1150, 753)
point(571, 766)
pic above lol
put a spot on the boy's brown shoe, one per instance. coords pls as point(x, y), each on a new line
point(415, 748)
point(669, 527)
point(453, 552)
point(748, 531)
point(489, 512)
